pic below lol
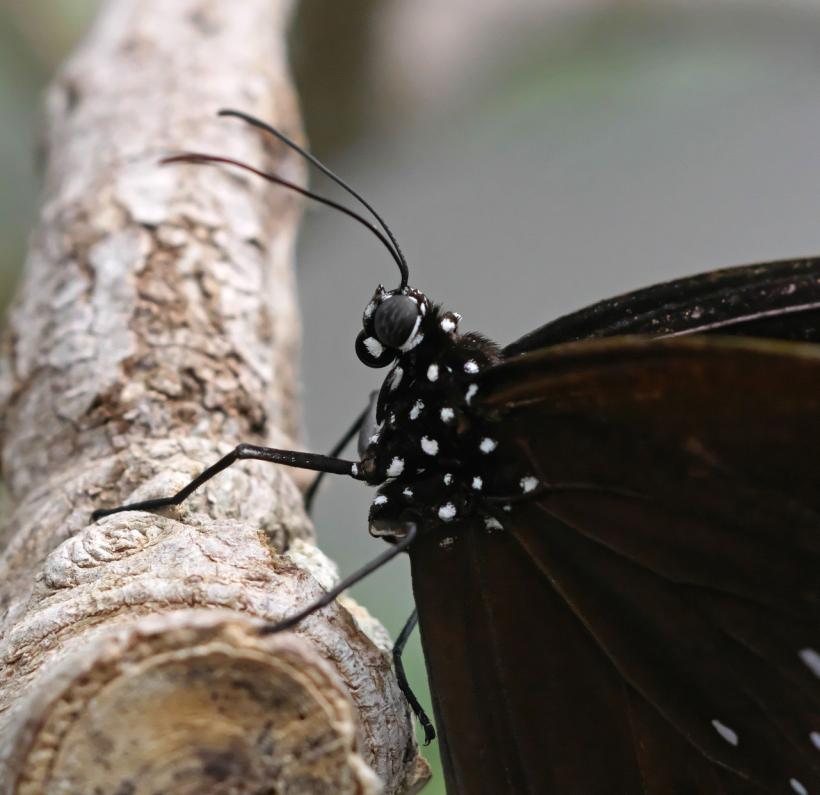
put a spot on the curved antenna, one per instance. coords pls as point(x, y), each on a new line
point(252, 120)
point(200, 158)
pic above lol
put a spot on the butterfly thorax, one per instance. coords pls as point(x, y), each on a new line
point(429, 445)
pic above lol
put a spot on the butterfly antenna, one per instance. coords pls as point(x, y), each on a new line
point(199, 158)
point(252, 120)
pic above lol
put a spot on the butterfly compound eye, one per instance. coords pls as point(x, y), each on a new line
point(396, 320)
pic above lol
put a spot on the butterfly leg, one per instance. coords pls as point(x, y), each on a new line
point(403, 542)
point(404, 685)
point(320, 463)
point(310, 494)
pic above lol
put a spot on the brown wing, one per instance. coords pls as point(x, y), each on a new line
point(526, 700)
point(774, 300)
point(658, 630)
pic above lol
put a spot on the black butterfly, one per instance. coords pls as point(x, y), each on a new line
point(614, 539)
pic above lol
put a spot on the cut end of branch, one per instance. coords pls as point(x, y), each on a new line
point(191, 702)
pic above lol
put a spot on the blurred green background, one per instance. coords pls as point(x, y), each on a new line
point(531, 155)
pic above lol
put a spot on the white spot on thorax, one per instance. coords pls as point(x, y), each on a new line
point(447, 512)
point(477, 483)
point(447, 324)
point(487, 445)
point(491, 523)
point(408, 493)
point(725, 732)
point(528, 484)
point(374, 347)
point(448, 479)
point(471, 366)
point(447, 414)
point(470, 393)
point(446, 542)
point(432, 373)
point(380, 500)
point(812, 660)
point(798, 787)
point(418, 407)
point(430, 446)
point(396, 467)
point(815, 738)
point(395, 377)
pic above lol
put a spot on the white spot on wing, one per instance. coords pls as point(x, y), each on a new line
point(447, 512)
point(380, 500)
point(374, 347)
point(418, 407)
point(491, 523)
point(447, 414)
point(812, 660)
point(470, 394)
point(725, 732)
point(408, 493)
point(798, 787)
point(354, 470)
point(815, 738)
point(477, 483)
point(370, 309)
point(471, 366)
point(448, 479)
point(430, 446)
point(528, 484)
point(446, 542)
point(396, 467)
point(432, 373)
point(487, 445)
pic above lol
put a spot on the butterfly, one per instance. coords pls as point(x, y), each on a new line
point(613, 527)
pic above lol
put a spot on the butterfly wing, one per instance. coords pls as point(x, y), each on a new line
point(526, 700)
point(775, 300)
point(651, 623)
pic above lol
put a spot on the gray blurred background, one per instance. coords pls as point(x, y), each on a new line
point(532, 156)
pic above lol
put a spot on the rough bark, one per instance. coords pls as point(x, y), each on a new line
point(156, 328)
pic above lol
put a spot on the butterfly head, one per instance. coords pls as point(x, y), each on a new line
point(393, 324)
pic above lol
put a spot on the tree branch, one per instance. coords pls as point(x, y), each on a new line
point(156, 328)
